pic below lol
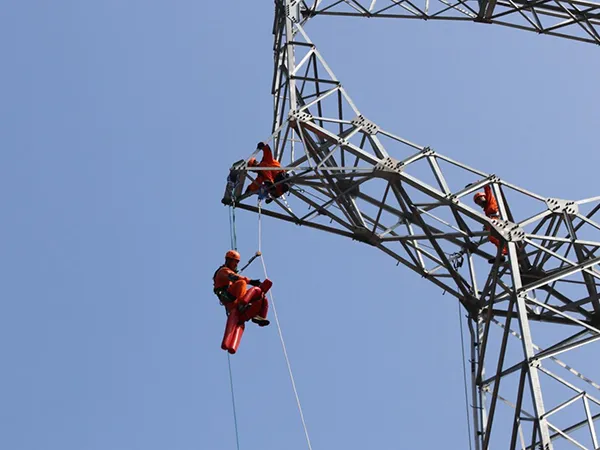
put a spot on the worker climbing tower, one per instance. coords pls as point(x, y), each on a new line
point(527, 310)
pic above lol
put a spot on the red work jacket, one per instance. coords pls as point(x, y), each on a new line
point(224, 276)
point(491, 205)
point(268, 161)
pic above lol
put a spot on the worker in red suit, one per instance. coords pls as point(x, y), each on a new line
point(273, 180)
point(488, 203)
point(242, 304)
point(232, 290)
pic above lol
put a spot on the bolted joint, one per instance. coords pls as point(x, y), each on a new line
point(292, 11)
point(535, 363)
point(558, 206)
point(300, 116)
point(365, 125)
point(452, 198)
point(427, 151)
point(510, 231)
point(389, 165)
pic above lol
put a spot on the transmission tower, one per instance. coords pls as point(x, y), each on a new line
point(352, 178)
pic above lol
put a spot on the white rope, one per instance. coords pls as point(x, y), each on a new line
point(260, 232)
point(287, 359)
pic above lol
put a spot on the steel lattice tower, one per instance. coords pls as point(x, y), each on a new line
point(415, 204)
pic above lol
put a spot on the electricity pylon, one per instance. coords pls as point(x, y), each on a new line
point(352, 178)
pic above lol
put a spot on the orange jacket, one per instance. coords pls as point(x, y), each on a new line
point(268, 161)
point(224, 277)
point(491, 205)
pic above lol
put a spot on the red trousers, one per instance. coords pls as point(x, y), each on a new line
point(494, 240)
point(236, 319)
point(259, 305)
point(238, 289)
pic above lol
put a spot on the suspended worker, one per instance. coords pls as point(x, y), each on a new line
point(231, 289)
point(274, 181)
point(241, 304)
point(488, 203)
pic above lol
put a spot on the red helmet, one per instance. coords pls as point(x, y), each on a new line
point(232, 254)
point(479, 197)
point(252, 162)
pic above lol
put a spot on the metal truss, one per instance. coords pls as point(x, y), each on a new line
point(571, 19)
point(352, 178)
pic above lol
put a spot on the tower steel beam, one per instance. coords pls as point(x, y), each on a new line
point(352, 178)
point(570, 19)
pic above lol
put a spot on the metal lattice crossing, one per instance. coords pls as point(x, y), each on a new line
point(350, 177)
point(571, 19)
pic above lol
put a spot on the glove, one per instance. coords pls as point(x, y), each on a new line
point(260, 145)
point(255, 283)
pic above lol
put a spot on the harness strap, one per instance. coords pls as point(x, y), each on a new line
point(223, 295)
point(217, 271)
point(221, 292)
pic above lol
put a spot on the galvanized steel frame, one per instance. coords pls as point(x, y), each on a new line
point(570, 19)
point(416, 207)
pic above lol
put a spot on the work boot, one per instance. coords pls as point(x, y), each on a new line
point(260, 321)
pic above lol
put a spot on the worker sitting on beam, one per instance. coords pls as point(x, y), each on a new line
point(274, 181)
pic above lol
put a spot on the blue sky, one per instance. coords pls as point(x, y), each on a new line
point(118, 122)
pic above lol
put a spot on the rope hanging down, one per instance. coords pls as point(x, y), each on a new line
point(232, 232)
point(233, 242)
point(462, 346)
point(285, 354)
point(237, 435)
point(233, 245)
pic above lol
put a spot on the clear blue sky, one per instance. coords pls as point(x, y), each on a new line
point(118, 122)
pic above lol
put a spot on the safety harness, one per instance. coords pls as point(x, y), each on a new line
point(221, 292)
